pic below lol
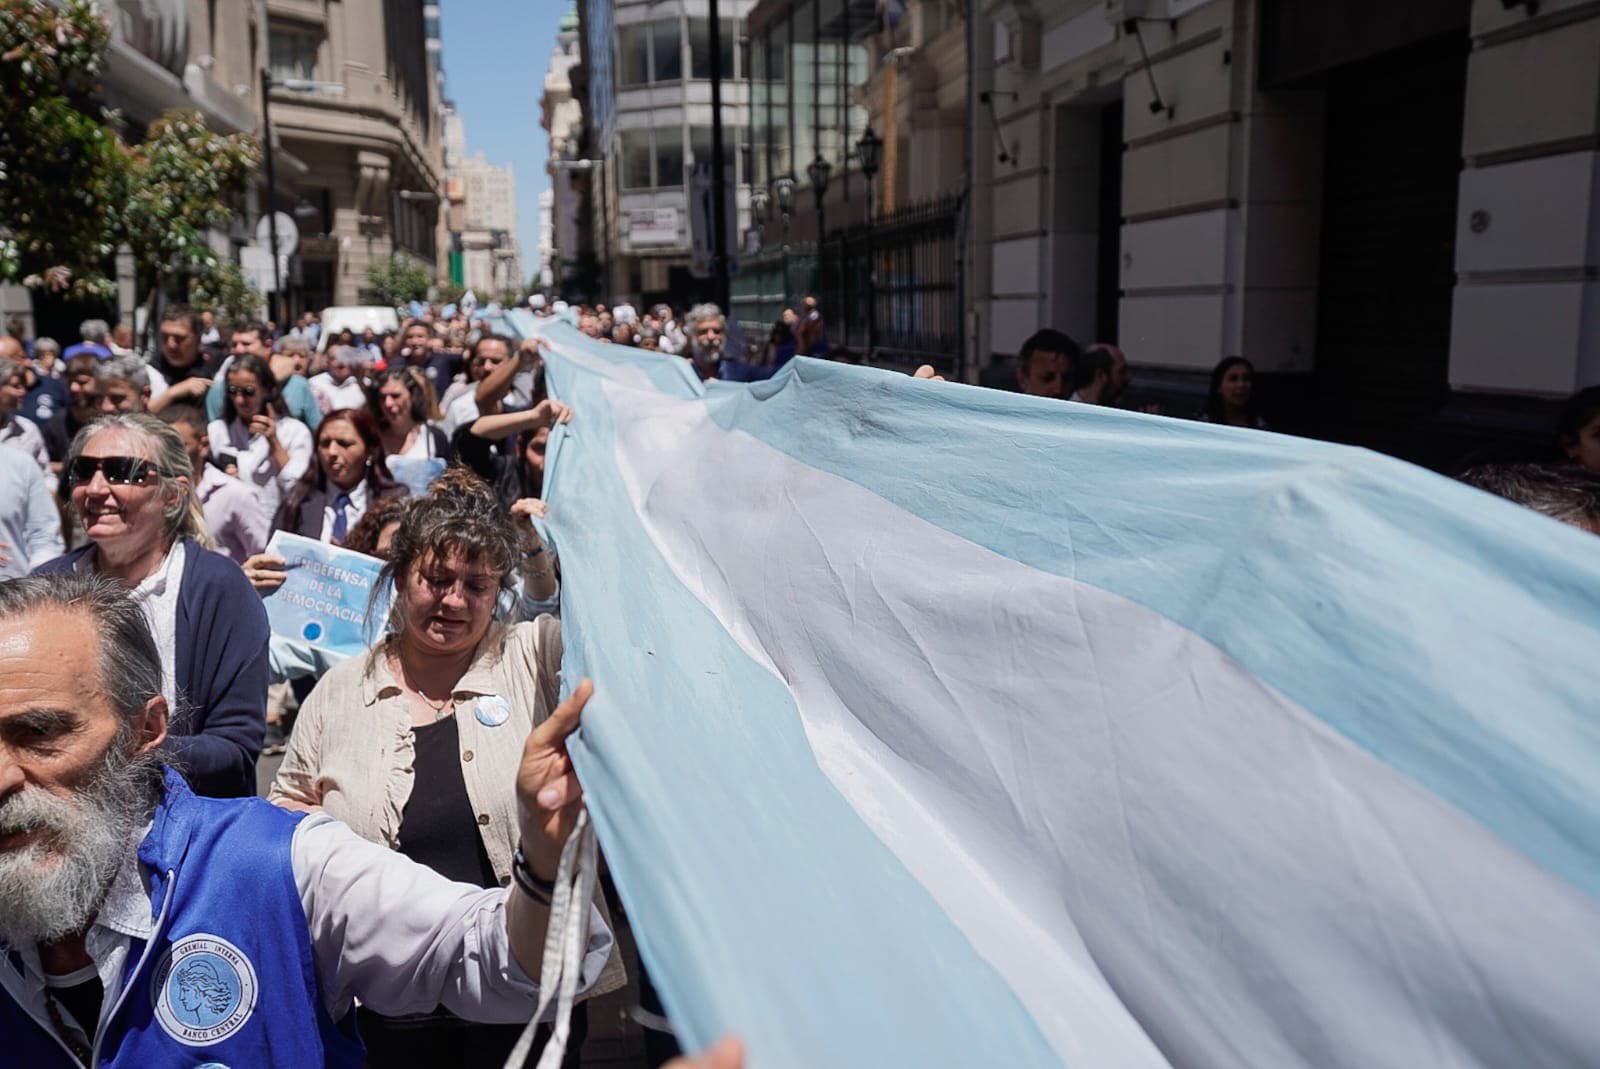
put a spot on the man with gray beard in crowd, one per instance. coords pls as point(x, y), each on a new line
point(710, 353)
point(142, 925)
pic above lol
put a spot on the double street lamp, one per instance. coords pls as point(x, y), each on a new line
point(783, 190)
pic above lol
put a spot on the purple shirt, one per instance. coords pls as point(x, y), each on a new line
point(237, 521)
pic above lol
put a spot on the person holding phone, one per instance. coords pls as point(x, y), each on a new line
point(272, 451)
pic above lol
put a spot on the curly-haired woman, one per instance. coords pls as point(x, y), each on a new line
point(414, 743)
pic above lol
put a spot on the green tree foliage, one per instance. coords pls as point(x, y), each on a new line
point(397, 280)
point(179, 184)
point(60, 165)
point(70, 191)
point(226, 291)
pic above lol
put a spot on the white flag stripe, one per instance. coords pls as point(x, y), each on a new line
point(1062, 767)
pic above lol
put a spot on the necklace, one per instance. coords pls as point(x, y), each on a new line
point(79, 1051)
point(441, 708)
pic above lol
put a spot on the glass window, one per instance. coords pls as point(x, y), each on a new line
point(669, 158)
point(700, 47)
point(668, 51)
point(803, 102)
point(636, 159)
point(700, 142)
point(292, 53)
point(633, 55)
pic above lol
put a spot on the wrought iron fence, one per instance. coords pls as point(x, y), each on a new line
point(915, 312)
point(911, 304)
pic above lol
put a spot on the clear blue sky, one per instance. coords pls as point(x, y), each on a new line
point(495, 56)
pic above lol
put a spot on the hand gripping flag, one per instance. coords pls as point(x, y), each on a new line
point(938, 726)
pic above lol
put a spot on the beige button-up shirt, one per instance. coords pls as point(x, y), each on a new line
point(353, 753)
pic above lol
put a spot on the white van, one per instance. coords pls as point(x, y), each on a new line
point(355, 319)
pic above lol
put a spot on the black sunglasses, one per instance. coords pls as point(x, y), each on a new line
point(121, 471)
point(241, 391)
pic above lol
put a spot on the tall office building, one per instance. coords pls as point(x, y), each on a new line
point(648, 79)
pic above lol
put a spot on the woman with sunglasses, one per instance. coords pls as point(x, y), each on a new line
point(272, 451)
point(132, 492)
point(414, 743)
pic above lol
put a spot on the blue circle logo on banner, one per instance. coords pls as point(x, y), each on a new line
point(311, 632)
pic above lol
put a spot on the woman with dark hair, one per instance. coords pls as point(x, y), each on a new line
point(270, 450)
point(374, 534)
point(403, 403)
point(781, 344)
point(1231, 399)
point(349, 477)
point(1579, 430)
point(414, 744)
point(350, 474)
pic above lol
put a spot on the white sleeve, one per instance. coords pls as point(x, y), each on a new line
point(404, 939)
point(296, 438)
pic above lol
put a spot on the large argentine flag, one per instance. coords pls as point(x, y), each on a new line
point(944, 727)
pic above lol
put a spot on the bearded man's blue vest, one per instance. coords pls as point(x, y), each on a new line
point(228, 978)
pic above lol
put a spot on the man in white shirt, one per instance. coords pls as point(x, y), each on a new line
point(249, 930)
point(30, 526)
point(16, 430)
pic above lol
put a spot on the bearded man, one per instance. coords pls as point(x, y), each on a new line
point(141, 925)
point(708, 341)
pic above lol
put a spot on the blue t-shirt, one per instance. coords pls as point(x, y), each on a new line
point(47, 397)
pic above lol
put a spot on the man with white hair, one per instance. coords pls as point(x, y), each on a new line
point(142, 925)
point(94, 333)
point(124, 385)
point(708, 340)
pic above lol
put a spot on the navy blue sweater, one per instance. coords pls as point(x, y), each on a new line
point(214, 737)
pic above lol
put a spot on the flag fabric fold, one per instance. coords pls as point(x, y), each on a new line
point(939, 726)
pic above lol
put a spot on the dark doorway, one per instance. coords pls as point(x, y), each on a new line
point(1387, 274)
point(1108, 250)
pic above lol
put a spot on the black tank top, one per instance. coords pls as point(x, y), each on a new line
point(438, 827)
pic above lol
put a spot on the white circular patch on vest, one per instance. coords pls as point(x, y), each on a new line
point(492, 710)
point(204, 990)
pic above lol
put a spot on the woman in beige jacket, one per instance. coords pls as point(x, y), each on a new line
point(415, 743)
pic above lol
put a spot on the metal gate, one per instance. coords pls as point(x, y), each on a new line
point(914, 301)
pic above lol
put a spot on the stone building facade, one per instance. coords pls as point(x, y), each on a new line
point(1390, 209)
point(356, 102)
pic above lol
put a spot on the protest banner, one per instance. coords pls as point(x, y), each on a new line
point(323, 602)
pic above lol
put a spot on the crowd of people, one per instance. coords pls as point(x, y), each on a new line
point(139, 496)
point(156, 485)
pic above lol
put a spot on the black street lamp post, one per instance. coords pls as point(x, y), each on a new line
point(272, 195)
point(783, 189)
point(758, 217)
point(868, 151)
point(819, 172)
